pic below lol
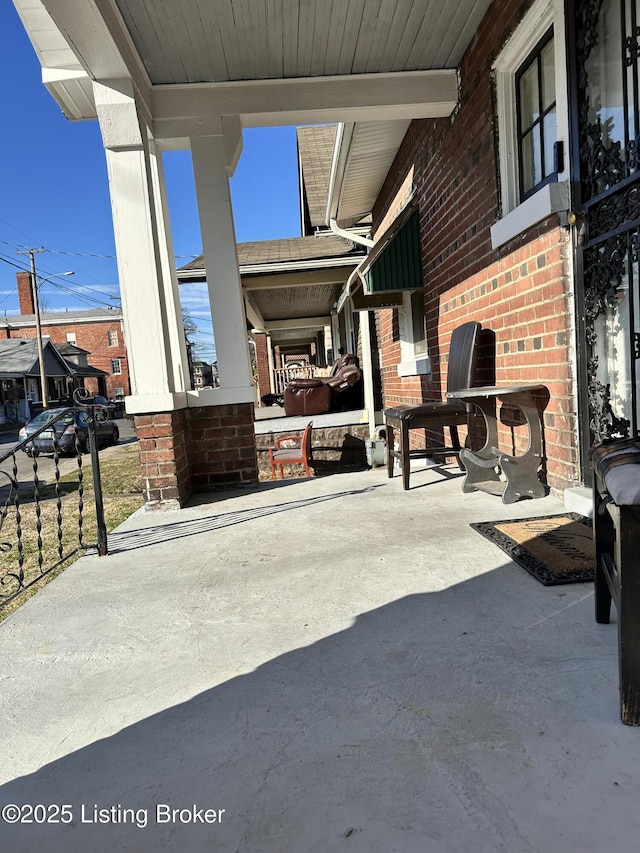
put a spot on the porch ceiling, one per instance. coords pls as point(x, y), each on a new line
point(294, 337)
point(265, 61)
point(296, 302)
point(196, 41)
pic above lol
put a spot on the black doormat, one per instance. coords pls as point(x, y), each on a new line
point(555, 549)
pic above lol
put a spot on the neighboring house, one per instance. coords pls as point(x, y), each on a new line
point(20, 376)
point(498, 139)
point(290, 288)
point(97, 332)
point(202, 375)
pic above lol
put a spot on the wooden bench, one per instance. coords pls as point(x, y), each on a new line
point(616, 529)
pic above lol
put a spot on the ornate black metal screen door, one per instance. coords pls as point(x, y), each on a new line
point(605, 49)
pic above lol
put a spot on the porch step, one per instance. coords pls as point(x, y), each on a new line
point(298, 423)
point(579, 499)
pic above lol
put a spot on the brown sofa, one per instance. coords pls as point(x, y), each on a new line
point(322, 394)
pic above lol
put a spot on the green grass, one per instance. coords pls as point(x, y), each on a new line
point(122, 495)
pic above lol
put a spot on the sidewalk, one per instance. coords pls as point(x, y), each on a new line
point(336, 663)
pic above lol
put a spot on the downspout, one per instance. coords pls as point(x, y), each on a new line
point(340, 156)
point(349, 235)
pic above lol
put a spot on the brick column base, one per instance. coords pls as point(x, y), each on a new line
point(196, 450)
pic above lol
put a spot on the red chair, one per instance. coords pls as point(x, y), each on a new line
point(296, 455)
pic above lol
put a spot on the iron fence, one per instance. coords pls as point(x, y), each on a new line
point(42, 521)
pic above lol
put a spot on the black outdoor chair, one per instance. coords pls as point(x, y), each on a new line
point(435, 414)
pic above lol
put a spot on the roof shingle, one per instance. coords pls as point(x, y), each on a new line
point(288, 249)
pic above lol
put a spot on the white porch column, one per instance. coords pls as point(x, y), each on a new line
point(151, 309)
point(367, 370)
point(335, 334)
point(272, 384)
point(223, 274)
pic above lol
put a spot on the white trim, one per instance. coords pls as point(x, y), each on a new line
point(280, 266)
point(412, 363)
point(221, 396)
point(415, 367)
point(551, 198)
point(144, 404)
point(540, 17)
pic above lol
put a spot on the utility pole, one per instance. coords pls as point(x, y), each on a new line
point(36, 307)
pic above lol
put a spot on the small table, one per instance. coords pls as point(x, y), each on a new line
point(483, 466)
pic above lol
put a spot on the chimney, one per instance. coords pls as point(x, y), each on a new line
point(25, 294)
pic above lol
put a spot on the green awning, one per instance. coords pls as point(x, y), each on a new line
point(398, 265)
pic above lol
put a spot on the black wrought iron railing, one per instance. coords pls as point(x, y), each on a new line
point(43, 513)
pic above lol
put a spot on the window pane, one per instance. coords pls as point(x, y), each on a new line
point(531, 164)
point(550, 127)
point(606, 99)
point(548, 71)
point(528, 97)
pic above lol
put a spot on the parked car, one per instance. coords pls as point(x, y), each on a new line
point(74, 423)
point(98, 400)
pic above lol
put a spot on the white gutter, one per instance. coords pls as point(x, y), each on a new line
point(282, 266)
point(344, 135)
point(341, 147)
point(346, 290)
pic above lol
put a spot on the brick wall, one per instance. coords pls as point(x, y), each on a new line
point(163, 456)
point(522, 292)
point(196, 450)
point(221, 446)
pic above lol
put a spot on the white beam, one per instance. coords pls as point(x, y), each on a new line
point(303, 278)
point(259, 103)
point(253, 314)
point(299, 323)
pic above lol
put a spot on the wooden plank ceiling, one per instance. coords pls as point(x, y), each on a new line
point(206, 41)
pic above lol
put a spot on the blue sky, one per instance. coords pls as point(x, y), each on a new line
point(54, 193)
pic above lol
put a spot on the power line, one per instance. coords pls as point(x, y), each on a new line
point(13, 264)
point(18, 231)
point(87, 299)
point(90, 300)
point(94, 290)
point(110, 257)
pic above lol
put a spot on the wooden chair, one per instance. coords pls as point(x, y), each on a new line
point(297, 455)
point(434, 414)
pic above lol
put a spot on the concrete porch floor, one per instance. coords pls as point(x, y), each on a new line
point(336, 663)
